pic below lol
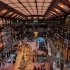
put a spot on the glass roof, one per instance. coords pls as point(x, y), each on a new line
point(29, 7)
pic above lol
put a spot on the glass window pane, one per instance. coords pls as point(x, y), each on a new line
point(12, 5)
point(39, 4)
point(34, 8)
point(5, 1)
point(31, 0)
point(46, 4)
point(14, 1)
point(32, 4)
point(40, 0)
point(18, 4)
point(39, 8)
point(29, 8)
point(23, 0)
point(26, 4)
point(48, 0)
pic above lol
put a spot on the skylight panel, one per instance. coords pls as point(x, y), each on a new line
point(48, 0)
point(35, 12)
point(32, 4)
point(46, 4)
point(4, 11)
point(40, 0)
point(34, 8)
point(17, 8)
point(39, 8)
point(39, 12)
point(22, 8)
point(29, 8)
point(45, 8)
point(14, 1)
point(32, 13)
point(12, 5)
point(31, 0)
point(5, 1)
point(27, 12)
point(39, 4)
point(23, 1)
point(26, 4)
point(43, 13)
point(18, 5)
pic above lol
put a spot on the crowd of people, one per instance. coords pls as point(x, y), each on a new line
point(42, 68)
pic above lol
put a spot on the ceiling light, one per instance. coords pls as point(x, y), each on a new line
point(17, 16)
point(3, 11)
point(62, 6)
point(9, 14)
point(57, 10)
point(53, 12)
point(14, 15)
point(48, 0)
point(40, 1)
point(50, 14)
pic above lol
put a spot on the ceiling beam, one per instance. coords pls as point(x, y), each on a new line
point(66, 2)
point(31, 8)
point(23, 6)
point(61, 10)
point(5, 6)
point(52, 3)
point(36, 8)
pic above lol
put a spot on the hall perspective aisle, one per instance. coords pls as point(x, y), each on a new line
point(30, 66)
point(39, 52)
